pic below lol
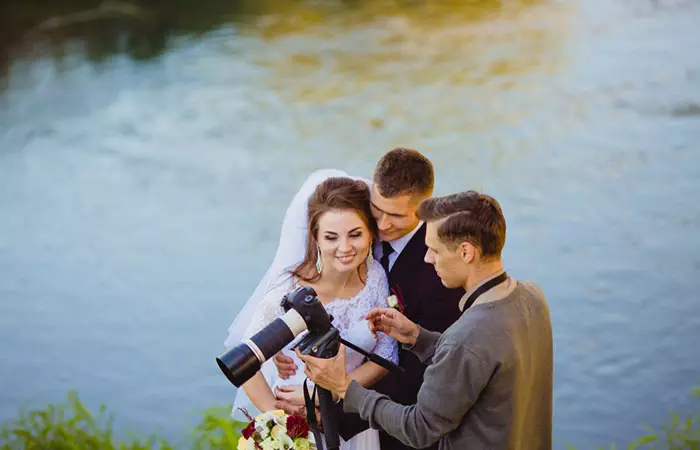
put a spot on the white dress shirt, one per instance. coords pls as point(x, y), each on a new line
point(397, 244)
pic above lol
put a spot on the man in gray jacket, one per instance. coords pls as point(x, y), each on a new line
point(489, 380)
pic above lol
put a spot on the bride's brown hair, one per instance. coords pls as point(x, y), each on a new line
point(334, 194)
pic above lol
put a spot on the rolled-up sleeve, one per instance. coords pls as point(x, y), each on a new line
point(451, 385)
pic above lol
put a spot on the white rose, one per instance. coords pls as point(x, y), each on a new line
point(270, 444)
point(392, 301)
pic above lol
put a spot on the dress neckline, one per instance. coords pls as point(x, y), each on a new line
point(349, 299)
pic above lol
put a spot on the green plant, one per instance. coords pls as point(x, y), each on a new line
point(69, 427)
point(217, 430)
point(72, 427)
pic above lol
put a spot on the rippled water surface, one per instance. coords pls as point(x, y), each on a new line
point(141, 196)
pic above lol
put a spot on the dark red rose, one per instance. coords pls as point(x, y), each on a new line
point(249, 430)
point(297, 427)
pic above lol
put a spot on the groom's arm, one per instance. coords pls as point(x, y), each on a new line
point(450, 388)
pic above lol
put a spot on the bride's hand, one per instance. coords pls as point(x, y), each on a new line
point(294, 395)
point(294, 409)
point(289, 408)
point(290, 399)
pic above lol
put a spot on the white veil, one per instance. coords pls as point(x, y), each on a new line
point(290, 252)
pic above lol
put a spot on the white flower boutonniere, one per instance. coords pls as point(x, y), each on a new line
point(392, 301)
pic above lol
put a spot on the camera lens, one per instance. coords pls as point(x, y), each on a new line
point(238, 364)
point(242, 362)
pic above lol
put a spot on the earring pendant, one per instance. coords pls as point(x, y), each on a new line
point(319, 263)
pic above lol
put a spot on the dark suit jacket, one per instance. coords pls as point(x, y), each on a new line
point(429, 304)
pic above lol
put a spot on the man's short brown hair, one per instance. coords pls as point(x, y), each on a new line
point(469, 216)
point(404, 171)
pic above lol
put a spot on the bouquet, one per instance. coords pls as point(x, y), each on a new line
point(275, 430)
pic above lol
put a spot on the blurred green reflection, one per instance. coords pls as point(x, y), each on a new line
point(143, 29)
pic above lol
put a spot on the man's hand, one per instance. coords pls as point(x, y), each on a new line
point(285, 366)
point(391, 322)
point(330, 373)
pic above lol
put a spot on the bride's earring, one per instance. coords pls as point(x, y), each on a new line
point(319, 263)
point(370, 257)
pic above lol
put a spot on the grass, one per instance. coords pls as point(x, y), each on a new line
point(71, 426)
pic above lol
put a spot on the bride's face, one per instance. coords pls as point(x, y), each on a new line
point(344, 240)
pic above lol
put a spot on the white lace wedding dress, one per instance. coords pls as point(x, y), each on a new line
point(349, 319)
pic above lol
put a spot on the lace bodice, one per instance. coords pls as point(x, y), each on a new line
point(348, 318)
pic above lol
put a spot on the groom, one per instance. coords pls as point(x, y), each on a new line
point(402, 179)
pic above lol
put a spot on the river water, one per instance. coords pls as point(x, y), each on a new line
point(141, 197)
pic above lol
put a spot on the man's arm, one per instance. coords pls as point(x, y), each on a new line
point(451, 386)
point(425, 345)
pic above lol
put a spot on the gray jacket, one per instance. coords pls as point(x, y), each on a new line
point(488, 384)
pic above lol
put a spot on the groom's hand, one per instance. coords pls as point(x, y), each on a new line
point(391, 322)
point(329, 373)
point(285, 366)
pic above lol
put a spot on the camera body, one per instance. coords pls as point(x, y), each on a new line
point(323, 339)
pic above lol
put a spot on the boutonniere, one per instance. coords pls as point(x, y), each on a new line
point(395, 300)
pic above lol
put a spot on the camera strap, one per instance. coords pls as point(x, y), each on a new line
point(483, 288)
point(310, 403)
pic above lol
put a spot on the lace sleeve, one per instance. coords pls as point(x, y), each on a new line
point(269, 308)
point(386, 347)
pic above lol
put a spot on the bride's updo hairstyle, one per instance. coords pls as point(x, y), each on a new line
point(334, 194)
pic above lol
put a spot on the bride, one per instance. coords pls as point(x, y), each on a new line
point(326, 243)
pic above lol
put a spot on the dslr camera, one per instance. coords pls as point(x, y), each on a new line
point(303, 311)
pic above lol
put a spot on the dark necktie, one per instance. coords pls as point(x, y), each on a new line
point(387, 250)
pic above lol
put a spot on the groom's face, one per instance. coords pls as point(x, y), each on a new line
point(395, 216)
